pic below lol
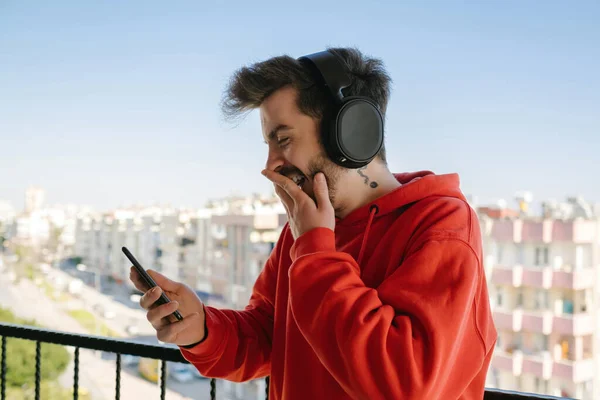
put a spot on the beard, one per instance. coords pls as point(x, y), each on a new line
point(319, 163)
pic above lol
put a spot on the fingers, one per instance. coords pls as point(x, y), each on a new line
point(150, 297)
point(287, 201)
point(284, 183)
point(161, 280)
point(321, 191)
point(169, 333)
point(134, 277)
point(158, 315)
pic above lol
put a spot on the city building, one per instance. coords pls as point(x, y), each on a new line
point(219, 251)
point(544, 278)
point(34, 199)
point(7, 218)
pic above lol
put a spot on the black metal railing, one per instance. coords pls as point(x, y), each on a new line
point(164, 353)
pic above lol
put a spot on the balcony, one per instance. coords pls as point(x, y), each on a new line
point(578, 231)
point(538, 322)
point(546, 231)
point(508, 320)
point(544, 322)
point(506, 275)
point(508, 361)
point(166, 353)
point(543, 277)
point(542, 365)
point(574, 324)
point(538, 364)
point(577, 279)
point(576, 371)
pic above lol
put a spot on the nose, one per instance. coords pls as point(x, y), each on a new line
point(275, 159)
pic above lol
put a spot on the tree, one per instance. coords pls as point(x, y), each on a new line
point(20, 360)
point(20, 356)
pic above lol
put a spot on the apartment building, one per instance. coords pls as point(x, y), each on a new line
point(219, 251)
point(544, 279)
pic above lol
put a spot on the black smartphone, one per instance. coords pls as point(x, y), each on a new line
point(149, 281)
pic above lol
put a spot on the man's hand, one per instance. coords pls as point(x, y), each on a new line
point(303, 214)
point(182, 333)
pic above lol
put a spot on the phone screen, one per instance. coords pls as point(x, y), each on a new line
point(149, 281)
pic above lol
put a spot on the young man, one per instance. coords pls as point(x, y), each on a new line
point(375, 288)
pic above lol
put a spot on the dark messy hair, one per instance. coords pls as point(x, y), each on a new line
point(251, 85)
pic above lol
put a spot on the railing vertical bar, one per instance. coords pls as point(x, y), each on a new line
point(163, 379)
point(76, 375)
point(3, 370)
point(267, 380)
point(118, 383)
point(38, 368)
point(213, 389)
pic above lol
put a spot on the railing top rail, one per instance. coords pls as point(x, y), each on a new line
point(501, 394)
point(112, 345)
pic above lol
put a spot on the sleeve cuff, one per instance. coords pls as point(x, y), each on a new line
point(190, 346)
point(214, 337)
point(314, 241)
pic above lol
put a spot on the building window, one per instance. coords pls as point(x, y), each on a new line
point(564, 349)
point(568, 306)
point(518, 383)
point(540, 342)
point(541, 300)
point(519, 298)
point(541, 256)
point(498, 296)
point(500, 251)
point(520, 254)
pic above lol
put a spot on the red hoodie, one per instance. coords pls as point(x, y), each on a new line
point(393, 305)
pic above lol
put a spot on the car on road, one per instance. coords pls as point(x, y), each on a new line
point(129, 360)
point(181, 372)
point(104, 312)
point(132, 330)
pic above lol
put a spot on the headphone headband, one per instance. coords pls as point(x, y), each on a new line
point(352, 129)
point(328, 68)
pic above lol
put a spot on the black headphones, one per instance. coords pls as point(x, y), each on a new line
point(353, 128)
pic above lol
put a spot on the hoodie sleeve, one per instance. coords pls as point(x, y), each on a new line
point(238, 343)
point(409, 338)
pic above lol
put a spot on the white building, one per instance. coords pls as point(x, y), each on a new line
point(34, 199)
point(7, 221)
point(7, 212)
point(218, 251)
point(215, 250)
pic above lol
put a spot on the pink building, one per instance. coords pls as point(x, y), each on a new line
point(543, 276)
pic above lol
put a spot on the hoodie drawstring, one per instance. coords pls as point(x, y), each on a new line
point(373, 211)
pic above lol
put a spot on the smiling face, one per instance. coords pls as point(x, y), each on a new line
point(294, 144)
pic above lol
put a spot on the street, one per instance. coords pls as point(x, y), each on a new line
point(97, 375)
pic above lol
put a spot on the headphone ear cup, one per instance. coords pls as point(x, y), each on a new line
point(357, 132)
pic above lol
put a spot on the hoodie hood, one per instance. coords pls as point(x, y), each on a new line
point(415, 186)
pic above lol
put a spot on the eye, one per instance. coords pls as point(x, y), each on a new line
point(283, 142)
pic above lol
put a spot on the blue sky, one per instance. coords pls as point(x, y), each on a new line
point(111, 103)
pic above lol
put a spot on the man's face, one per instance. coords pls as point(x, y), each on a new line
point(294, 144)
